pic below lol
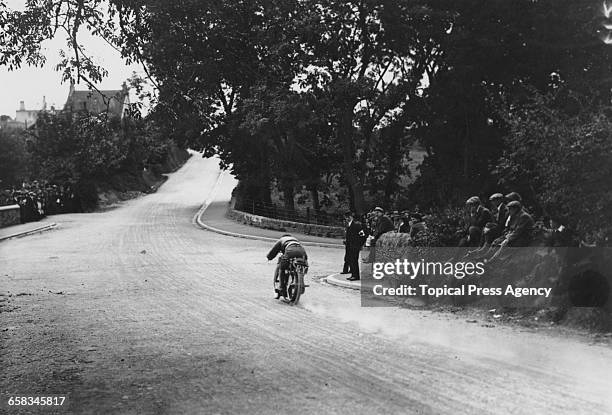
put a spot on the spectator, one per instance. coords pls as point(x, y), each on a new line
point(6, 198)
point(354, 240)
point(558, 235)
point(404, 226)
point(476, 219)
point(520, 229)
point(38, 199)
point(417, 224)
point(521, 224)
point(513, 196)
point(500, 215)
point(383, 224)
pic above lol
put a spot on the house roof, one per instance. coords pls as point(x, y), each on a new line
point(97, 102)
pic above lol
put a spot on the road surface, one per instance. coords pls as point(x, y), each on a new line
point(138, 311)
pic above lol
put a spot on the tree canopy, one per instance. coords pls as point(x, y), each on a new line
point(301, 93)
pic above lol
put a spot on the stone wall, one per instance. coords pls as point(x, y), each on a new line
point(580, 278)
point(284, 225)
point(9, 215)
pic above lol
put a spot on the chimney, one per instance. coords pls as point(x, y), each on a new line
point(21, 106)
point(44, 105)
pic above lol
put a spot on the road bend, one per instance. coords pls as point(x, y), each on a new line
point(136, 310)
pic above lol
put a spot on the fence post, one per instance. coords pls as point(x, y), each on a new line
point(307, 214)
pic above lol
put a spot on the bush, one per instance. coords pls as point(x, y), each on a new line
point(13, 158)
point(561, 160)
point(93, 151)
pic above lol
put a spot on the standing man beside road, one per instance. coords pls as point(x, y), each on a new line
point(353, 241)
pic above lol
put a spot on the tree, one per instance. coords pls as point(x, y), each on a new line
point(67, 148)
point(13, 158)
point(288, 125)
point(500, 51)
point(367, 59)
point(362, 79)
point(562, 161)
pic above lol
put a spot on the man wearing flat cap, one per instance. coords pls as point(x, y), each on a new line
point(520, 227)
point(383, 224)
point(477, 217)
point(519, 231)
point(500, 214)
point(417, 224)
point(513, 196)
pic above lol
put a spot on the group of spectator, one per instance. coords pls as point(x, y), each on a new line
point(503, 221)
point(369, 228)
point(39, 199)
point(508, 224)
point(377, 222)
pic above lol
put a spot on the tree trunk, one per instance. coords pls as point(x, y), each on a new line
point(314, 194)
point(288, 193)
point(394, 158)
point(348, 154)
point(367, 142)
point(264, 193)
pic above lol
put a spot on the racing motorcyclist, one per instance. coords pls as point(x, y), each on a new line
point(289, 247)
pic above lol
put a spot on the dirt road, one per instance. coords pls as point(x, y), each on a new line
point(138, 311)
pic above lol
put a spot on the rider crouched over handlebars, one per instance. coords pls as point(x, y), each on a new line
point(289, 247)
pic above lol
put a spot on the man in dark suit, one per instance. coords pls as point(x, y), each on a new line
point(519, 231)
point(477, 216)
point(354, 240)
point(520, 228)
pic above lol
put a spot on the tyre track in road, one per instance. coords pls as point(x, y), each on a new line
point(203, 334)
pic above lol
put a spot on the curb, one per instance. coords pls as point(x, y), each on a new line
point(29, 232)
point(197, 219)
point(341, 281)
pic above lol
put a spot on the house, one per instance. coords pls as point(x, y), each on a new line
point(26, 118)
point(7, 123)
point(113, 102)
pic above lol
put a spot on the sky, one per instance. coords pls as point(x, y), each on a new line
point(30, 84)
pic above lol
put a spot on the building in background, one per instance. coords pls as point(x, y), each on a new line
point(7, 123)
point(113, 102)
point(24, 118)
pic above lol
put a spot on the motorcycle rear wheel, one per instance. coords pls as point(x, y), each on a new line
point(295, 286)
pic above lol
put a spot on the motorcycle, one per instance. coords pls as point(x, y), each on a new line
point(295, 272)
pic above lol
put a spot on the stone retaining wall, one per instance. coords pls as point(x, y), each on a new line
point(580, 278)
point(9, 215)
point(284, 225)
